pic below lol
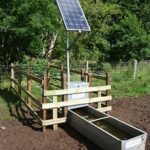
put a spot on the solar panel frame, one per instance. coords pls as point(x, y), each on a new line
point(82, 25)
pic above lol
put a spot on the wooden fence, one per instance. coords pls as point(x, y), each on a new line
point(50, 110)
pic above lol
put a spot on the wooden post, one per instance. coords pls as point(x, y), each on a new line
point(82, 74)
point(62, 68)
point(55, 114)
point(90, 79)
point(135, 68)
point(44, 112)
point(99, 103)
point(29, 88)
point(19, 83)
point(48, 74)
point(107, 83)
point(64, 86)
point(86, 70)
point(90, 84)
point(12, 75)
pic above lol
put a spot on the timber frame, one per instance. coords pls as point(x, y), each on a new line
point(98, 95)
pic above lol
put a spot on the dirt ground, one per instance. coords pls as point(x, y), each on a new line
point(26, 135)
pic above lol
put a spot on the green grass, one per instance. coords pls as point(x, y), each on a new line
point(8, 102)
point(123, 85)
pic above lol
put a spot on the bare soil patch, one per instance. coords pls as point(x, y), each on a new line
point(26, 134)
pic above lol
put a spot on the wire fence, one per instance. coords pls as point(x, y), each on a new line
point(130, 69)
point(4, 75)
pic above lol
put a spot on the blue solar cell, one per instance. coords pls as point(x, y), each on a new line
point(73, 15)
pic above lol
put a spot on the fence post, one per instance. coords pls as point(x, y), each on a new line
point(99, 103)
point(82, 74)
point(90, 79)
point(107, 83)
point(29, 88)
point(48, 73)
point(44, 112)
point(19, 83)
point(12, 75)
point(64, 86)
point(55, 114)
point(90, 84)
point(86, 70)
point(135, 63)
point(62, 68)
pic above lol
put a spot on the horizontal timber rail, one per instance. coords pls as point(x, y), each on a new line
point(76, 91)
point(56, 104)
point(76, 102)
point(35, 100)
point(27, 74)
point(56, 101)
point(64, 68)
point(85, 73)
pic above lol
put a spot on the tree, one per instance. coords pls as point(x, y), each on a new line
point(129, 40)
point(95, 45)
point(26, 28)
point(120, 30)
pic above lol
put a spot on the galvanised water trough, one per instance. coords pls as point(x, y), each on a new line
point(106, 131)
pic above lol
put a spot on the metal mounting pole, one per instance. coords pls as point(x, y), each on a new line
point(68, 63)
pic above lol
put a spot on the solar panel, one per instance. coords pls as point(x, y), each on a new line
point(73, 15)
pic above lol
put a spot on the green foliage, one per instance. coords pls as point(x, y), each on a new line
point(120, 30)
point(101, 17)
point(124, 85)
point(25, 27)
point(122, 81)
point(130, 40)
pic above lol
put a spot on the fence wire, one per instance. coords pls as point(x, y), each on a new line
point(143, 68)
point(4, 75)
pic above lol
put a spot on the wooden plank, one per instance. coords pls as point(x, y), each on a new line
point(107, 83)
point(44, 100)
point(99, 103)
point(75, 71)
point(99, 76)
point(64, 69)
point(29, 88)
point(35, 78)
point(48, 73)
point(34, 99)
point(19, 83)
point(76, 91)
point(105, 109)
point(54, 121)
point(82, 74)
point(34, 114)
point(76, 102)
point(55, 114)
point(86, 71)
point(54, 78)
point(55, 85)
point(89, 80)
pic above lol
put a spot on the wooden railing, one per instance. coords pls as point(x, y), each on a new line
point(84, 73)
point(43, 105)
point(55, 105)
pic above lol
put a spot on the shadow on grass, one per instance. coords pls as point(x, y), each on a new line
point(17, 109)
